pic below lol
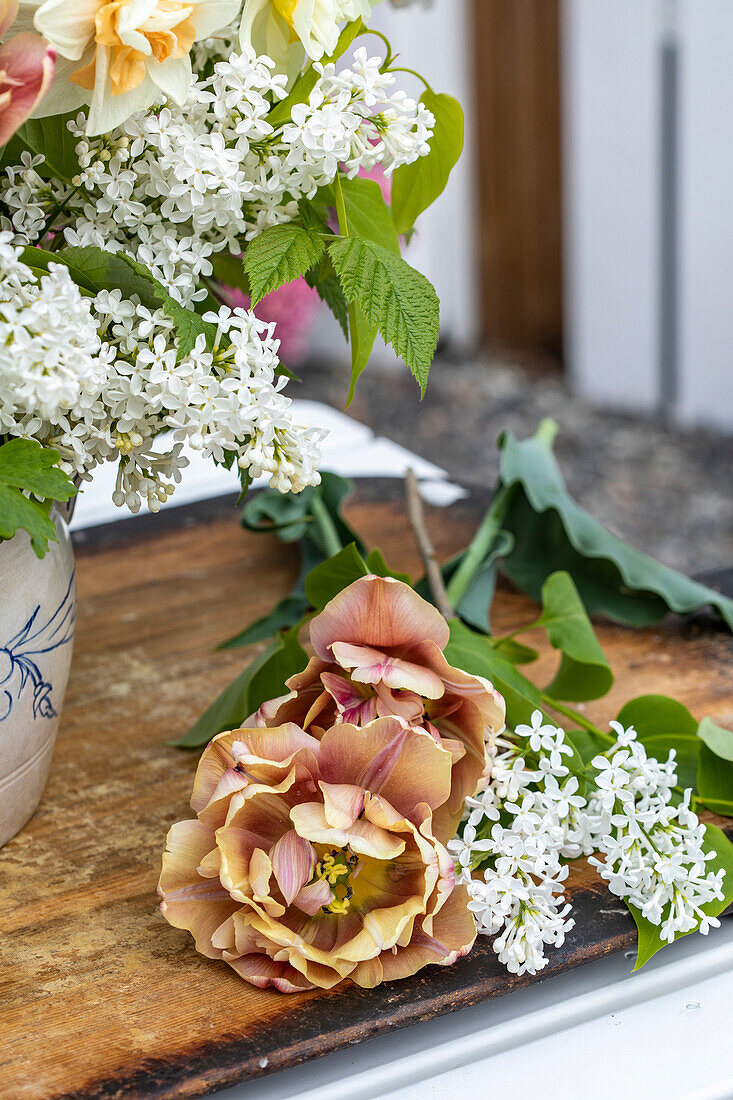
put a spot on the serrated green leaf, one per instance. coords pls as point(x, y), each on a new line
point(416, 186)
point(395, 298)
point(650, 941)
point(333, 575)
point(280, 255)
point(27, 466)
point(584, 673)
point(367, 214)
point(324, 281)
point(717, 739)
point(553, 533)
point(93, 269)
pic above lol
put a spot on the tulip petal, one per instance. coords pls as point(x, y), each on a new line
point(28, 65)
point(379, 612)
point(293, 861)
point(197, 904)
point(309, 821)
point(343, 802)
point(262, 972)
point(403, 765)
point(373, 666)
point(367, 839)
point(314, 897)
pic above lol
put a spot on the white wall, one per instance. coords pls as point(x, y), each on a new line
point(434, 40)
point(649, 204)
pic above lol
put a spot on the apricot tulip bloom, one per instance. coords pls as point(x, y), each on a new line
point(314, 860)
point(26, 72)
point(379, 652)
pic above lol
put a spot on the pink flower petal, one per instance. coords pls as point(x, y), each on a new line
point(372, 666)
point(27, 64)
point(377, 611)
point(293, 861)
point(312, 898)
point(309, 821)
point(353, 706)
point(343, 803)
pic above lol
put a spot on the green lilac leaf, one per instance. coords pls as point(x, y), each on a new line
point(378, 566)
point(324, 281)
point(717, 739)
point(280, 255)
point(715, 782)
point(584, 673)
point(268, 680)
point(650, 942)
point(26, 466)
point(263, 679)
point(50, 137)
point(553, 533)
point(663, 724)
point(416, 186)
point(332, 576)
point(475, 654)
point(292, 518)
point(367, 214)
point(395, 298)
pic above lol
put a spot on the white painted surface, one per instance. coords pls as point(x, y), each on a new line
point(599, 1032)
point(615, 180)
point(611, 111)
point(706, 241)
point(350, 449)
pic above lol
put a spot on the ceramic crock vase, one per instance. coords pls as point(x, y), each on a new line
point(37, 617)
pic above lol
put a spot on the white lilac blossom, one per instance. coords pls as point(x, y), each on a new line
point(515, 835)
point(100, 378)
point(531, 817)
point(652, 848)
point(175, 185)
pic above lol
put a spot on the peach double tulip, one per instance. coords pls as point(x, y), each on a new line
point(379, 652)
point(26, 72)
point(314, 860)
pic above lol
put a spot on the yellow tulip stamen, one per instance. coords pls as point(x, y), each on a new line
point(336, 868)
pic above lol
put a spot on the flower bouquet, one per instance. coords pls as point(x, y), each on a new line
point(164, 167)
point(413, 789)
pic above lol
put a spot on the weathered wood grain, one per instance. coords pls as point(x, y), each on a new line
point(99, 997)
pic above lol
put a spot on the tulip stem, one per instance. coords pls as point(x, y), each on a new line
point(416, 515)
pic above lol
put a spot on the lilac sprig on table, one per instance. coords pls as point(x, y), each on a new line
point(519, 833)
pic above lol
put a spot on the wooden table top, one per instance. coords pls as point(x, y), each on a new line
point(99, 997)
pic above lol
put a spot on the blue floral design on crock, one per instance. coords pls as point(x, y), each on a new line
point(19, 665)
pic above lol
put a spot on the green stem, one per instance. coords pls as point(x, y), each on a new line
point(481, 545)
point(399, 69)
point(326, 526)
point(341, 207)
point(390, 56)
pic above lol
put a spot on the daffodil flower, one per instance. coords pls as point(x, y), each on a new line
point(286, 29)
point(120, 55)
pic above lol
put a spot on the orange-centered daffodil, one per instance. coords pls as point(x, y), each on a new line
point(120, 55)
